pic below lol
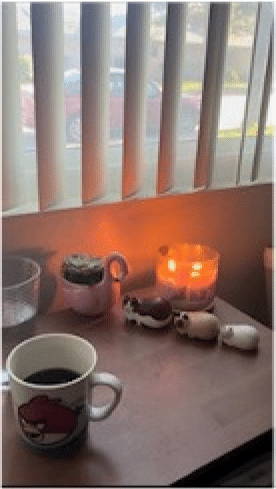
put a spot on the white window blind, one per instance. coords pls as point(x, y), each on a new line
point(136, 67)
point(10, 109)
point(217, 35)
point(47, 34)
point(258, 91)
point(95, 30)
point(148, 96)
point(171, 95)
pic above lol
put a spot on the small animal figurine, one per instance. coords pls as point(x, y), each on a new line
point(151, 312)
point(201, 325)
point(240, 336)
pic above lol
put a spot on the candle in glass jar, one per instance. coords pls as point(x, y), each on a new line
point(188, 272)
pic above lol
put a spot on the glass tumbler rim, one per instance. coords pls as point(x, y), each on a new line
point(28, 280)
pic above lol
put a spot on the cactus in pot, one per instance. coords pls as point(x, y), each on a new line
point(83, 269)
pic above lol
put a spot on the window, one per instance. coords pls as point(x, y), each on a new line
point(153, 91)
point(133, 100)
point(117, 85)
point(245, 66)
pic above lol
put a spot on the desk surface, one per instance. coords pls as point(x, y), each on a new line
point(185, 403)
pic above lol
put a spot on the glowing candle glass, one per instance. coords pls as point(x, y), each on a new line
point(187, 273)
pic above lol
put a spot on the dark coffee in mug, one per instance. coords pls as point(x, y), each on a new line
point(51, 376)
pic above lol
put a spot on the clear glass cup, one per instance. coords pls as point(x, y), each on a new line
point(20, 289)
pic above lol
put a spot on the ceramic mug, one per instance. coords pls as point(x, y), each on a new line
point(53, 415)
point(93, 300)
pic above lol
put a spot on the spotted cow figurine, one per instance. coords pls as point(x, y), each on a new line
point(200, 325)
point(151, 312)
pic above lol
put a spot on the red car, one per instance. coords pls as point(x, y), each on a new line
point(189, 118)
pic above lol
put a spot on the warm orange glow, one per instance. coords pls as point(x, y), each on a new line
point(190, 266)
point(171, 265)
point(194, 274)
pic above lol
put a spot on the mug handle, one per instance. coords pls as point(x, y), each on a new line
point(123, 264)
point(104, 378)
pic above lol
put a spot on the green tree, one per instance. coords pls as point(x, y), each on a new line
point(243, 18)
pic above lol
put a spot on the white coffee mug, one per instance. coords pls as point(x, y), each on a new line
point(56, 411)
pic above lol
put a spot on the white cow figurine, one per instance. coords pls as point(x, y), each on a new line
point(240, 336)
point(202, 325)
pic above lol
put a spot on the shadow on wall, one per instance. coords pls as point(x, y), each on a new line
point(48, 281)
point(139, 280)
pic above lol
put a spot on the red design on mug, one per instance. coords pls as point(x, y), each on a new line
point(43, 415)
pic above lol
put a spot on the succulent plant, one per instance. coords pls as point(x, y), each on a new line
point(83, 269)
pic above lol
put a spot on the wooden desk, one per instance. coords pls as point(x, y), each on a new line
point(185, 403)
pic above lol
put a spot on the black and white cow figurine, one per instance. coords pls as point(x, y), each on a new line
point(152, 312)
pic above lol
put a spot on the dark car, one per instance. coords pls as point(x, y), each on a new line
point(189, 112)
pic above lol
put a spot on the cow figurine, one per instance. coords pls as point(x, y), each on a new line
point(201, 325)
point(240, 336)
point(151, 312)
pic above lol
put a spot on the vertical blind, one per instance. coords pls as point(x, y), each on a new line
point(47, 33)
point(171, 95)
point(217, 38)
point(95, 53)
point(258, 89)
point(10, 108)
point(48, 61)
point(136, 66)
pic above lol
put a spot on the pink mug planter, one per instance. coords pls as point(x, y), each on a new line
point(94, 299)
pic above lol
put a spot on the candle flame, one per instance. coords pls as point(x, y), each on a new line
point(171, 265)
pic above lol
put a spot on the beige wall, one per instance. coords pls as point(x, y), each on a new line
point(237, 222)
